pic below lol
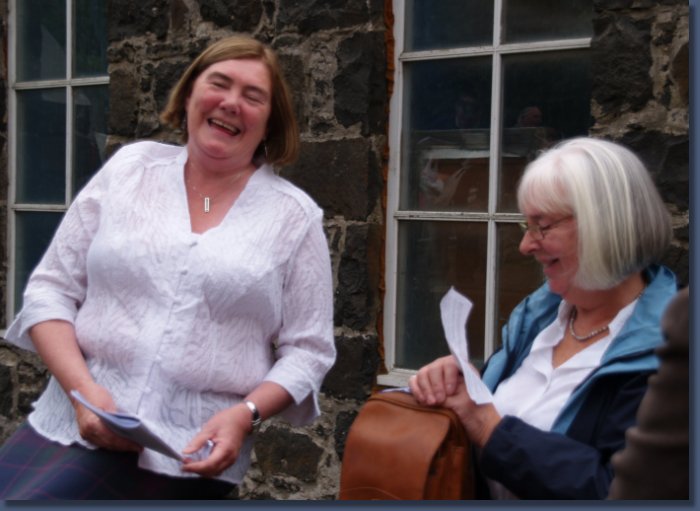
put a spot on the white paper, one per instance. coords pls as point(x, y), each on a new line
point(132, 427)
point(454, 311)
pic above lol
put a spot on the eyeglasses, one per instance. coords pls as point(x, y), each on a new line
point(538, 232)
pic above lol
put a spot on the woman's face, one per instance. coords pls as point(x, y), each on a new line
point(228, 110)
point(553, 242)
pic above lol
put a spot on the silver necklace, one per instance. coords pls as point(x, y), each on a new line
point(581, 338)
point(207, 198)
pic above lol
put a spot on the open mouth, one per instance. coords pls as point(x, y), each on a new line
point(229, 128)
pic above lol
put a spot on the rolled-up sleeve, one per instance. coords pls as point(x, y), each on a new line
point(306, 350)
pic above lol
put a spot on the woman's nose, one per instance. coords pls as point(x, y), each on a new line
point(232, 102)
point(528, 244)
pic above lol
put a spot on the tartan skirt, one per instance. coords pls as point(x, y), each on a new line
point(34, 468)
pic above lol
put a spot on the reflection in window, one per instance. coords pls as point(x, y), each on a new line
point(565, 19)
point(34, 231)
point(545, 99)
point(90, 108)
point(448, 26)
point(41, 123)
point(41, 39)
point(448, 103)
point(90, 58)
point(432, 257)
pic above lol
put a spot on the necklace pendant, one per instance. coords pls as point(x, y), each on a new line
point(206, 204)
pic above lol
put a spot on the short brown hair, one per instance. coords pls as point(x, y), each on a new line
point(281, 145)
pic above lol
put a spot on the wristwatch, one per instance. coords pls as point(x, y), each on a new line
point(256, 420)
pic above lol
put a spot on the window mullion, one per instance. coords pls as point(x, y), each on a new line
point(69, 101)
point(11, 159)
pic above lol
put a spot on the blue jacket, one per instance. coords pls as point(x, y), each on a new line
point(572, 461)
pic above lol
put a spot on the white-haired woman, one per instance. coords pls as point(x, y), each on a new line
point(576, 354)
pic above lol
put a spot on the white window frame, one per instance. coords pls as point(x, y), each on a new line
point(67, 84)
point(397, 376)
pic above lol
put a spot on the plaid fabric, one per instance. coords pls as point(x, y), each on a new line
point(34, 468)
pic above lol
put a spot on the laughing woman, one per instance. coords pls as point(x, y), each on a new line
point(576, 354)
point(189, 285)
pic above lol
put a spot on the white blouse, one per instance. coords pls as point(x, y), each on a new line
point(180, 325)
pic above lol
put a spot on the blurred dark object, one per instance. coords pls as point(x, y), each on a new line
point(654, 462)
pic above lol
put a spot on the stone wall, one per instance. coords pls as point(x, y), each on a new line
point(640, 97)
point(335, 56)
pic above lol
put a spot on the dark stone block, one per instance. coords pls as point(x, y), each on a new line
point(353, 374)
point(680, 72)
point(309, 16)
point(282, 452)
point(165, 75)
point(620, 64)
point(5, 391)
point(123, 105)
point(293, 70)
point(239, 16)
point(357, 275)
point(666, 157)
point(127, 18)
point(337, 175)
point(343, 421)
point(677, 258)
point(360, 85)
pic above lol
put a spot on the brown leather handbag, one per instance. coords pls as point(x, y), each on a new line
point(397, 449)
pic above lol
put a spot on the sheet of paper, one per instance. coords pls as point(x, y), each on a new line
point(454, 311)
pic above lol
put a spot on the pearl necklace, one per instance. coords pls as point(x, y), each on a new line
point(582, 338)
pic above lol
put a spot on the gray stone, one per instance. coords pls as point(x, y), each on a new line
point(620, 64)
point(337, 175)
point(282, 452)
point(666, 157)
point(360, 85)
point(239, 16)
point(127, 18)
point(123, 103)
point(357, 276)
point(308, 16)
point(353, 374)
point(343, 422)
point(5, 391)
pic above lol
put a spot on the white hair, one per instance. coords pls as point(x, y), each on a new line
point(623, 224)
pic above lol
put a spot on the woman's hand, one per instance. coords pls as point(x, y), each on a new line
point(436, 381)
point(227, 429)
point(479, 421)
point(90, 426)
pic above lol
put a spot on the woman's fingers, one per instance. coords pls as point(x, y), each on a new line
point(435, 381)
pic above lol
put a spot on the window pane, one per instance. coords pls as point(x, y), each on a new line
point(453, 24)
point(546, 98)
point(41, 146)
point(90, 111)
point(565, 19)
point(432, 256)
point(41, 39)
point(90, 54)
point(447, 115)
point(33, 234)
point(518, 275)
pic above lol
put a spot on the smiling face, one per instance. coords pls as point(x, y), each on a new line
point(557, 252)
point(227, 113)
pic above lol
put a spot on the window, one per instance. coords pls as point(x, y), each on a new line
point(480, 88)
point(58, 108)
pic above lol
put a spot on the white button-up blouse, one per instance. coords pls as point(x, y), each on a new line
point(179, 325)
